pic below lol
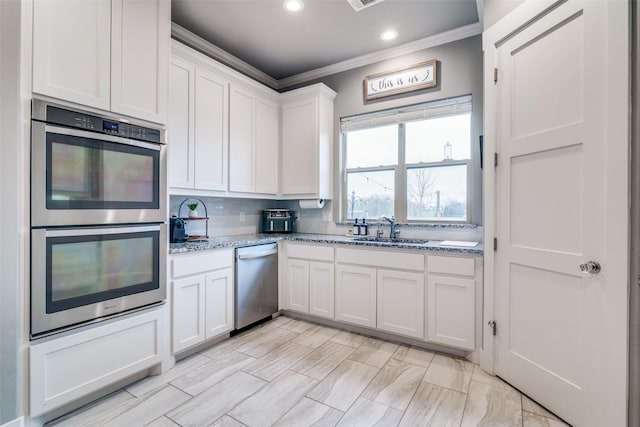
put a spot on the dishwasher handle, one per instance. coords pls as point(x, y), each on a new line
point(258, 254)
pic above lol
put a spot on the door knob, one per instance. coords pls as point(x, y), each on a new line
point(590, 267)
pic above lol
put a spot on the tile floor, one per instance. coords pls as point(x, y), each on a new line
point(289, 372)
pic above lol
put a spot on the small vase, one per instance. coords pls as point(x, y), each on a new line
point(193, 214)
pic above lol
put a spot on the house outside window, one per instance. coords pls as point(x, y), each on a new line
point(411, 163)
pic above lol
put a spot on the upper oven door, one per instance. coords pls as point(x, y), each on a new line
point(85, 178)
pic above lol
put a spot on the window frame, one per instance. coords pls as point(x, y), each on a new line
point(400, 168)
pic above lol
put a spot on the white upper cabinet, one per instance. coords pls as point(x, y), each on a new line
point(223, 129)
point(72, 50)
point(211, 131)
point(140, 32)
point(198, 129)
point(253, 142)
point(181, 128)
point(307, 142)
point(241, 139)
point(111, 55)
point(266, 146)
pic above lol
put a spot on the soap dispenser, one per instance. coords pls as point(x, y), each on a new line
point(364, 228)
point(356, 228)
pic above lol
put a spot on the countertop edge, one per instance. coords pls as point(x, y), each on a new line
point(250, 240)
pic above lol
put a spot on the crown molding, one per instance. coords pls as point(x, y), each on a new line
point(428, 42)
point(187, 37)
point(198, 43)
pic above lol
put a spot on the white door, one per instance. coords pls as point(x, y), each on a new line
point(297, 286)
point(188, 312)
point(140, 38)
point(561, 200)
point(401, 302)
point(241, 140)
point(321, 289)
point(181, 124)
point(211, 131)
point(451, 311)
point(266, 141)
point(219, 302)
point(356, 295)
point(299, 147)
point(71, 51)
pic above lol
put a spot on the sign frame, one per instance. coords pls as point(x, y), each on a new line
point(412, 78)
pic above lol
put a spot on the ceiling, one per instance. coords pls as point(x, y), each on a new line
point(282, 44)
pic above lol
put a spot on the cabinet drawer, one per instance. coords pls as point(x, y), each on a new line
point(317, 253)
point(184, 265)
point(378, 258)
point(65, 369)
point(451, 265)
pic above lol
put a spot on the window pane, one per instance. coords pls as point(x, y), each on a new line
point(426, 140)
point(370, 194)
point(437, 193)
point(372, 147)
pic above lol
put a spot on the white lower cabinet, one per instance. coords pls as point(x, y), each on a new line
point(297, 290)
point(188, 312)
point(356, 295)
point(401, 302)
point(450, 311)
point(67, 368)
point(218, 306)
point(309, 283)
point(432, 298)
point(451, 300)
point(202, 300)
point(321, 289)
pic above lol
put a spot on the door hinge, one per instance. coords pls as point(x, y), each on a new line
point(494, 327)
point(495, 75)
point(495, 160)
point(495, 243)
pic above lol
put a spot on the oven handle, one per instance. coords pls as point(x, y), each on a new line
point(100, 230)
point(102, 137)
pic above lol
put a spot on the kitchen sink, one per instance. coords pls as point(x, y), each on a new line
point(391, 240)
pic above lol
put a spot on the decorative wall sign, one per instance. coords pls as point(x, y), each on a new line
point(402, 80)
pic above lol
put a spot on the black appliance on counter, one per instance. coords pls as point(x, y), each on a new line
point(177, 232)
point(278, 221)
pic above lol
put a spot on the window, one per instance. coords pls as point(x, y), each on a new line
point(412, 163)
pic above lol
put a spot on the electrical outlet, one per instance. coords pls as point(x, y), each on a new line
point(241, 216)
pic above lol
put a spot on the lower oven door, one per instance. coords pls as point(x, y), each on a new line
point(85, 274)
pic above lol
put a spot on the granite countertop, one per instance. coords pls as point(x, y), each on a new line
point(258, 239)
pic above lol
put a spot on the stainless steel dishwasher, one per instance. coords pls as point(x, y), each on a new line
point(256, 283)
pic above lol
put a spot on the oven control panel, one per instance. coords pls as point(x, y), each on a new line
point(93, 123)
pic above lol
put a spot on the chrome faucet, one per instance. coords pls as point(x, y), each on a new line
point(393, 229)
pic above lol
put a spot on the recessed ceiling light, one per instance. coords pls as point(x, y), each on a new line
point(293, 5)
point(389, 35)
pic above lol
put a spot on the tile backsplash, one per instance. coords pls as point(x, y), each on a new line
point(231, 216)
point(227, 216)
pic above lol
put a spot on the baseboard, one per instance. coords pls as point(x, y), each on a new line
point(18, 422)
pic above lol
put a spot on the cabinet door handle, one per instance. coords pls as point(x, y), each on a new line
point(590, 267)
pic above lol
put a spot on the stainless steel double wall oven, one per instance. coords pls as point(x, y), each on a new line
point(98, 212)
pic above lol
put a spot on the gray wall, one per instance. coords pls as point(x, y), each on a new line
point(459, 73)
point(11, 211)
point(494, 10)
